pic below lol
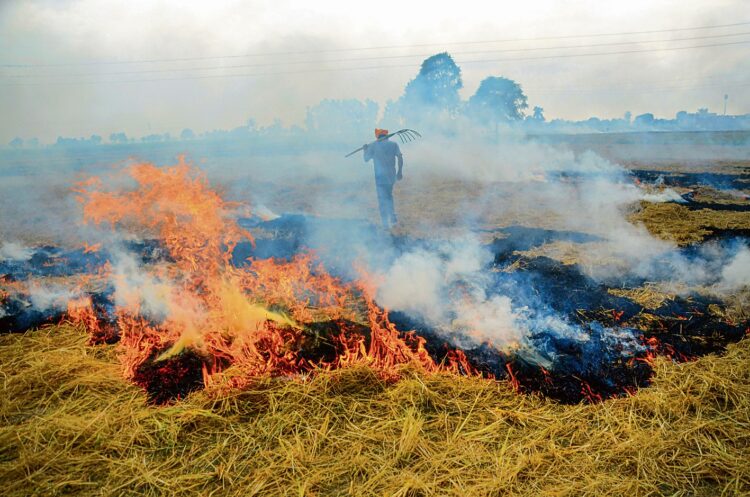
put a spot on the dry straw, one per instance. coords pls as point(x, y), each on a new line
point(72, 426)
point(675, 222)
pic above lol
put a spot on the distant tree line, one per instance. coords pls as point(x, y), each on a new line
point(432, 98)
point(430, 101)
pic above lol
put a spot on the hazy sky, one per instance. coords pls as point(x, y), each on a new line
point(79, 67)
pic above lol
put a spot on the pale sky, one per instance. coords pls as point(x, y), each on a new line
point(82, 67)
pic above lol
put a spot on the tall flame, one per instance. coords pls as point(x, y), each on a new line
point(252, 319)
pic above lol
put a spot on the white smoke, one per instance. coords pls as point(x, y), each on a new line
point(666, 195)
point(46, 296)
point(736, 274)
point(15, 251)
point(736, 194)
point(136, 288)
point(447, 287)
point(467, 155)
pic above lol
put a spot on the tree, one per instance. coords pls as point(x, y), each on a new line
point(432, 93)
point(16, 142)
point(118, 138)
point(646, 119)
point(153, 138)
point(497, 99)
point(437, 83)
point(538, 114)
point(187, 134)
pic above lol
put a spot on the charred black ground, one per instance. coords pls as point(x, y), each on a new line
point(591, 369)
point(586, 368)
point(722, 181)
point(170, 379)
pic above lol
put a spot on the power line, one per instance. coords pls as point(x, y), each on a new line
point(382, 47)
point(726, 78)
point(385, 57)
point(364, 68)
point(634, 89)
point(622, 52)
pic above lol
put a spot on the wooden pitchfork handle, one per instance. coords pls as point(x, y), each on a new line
point(406, 135)
point(352, 153)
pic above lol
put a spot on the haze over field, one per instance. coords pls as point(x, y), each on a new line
point(94, 73)
point(77, 68)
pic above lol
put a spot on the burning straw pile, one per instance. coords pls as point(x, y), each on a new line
point(184, 322)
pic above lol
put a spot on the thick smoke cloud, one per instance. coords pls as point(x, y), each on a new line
point(447, 286)
point(736, 274)
point(15, 251)
point(50, 296)
point(446, 283)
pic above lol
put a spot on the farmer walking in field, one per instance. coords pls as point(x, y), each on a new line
point(384, 153)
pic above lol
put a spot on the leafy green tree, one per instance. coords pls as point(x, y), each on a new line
point(437, 83)
point(432, 93)
point(496, 100)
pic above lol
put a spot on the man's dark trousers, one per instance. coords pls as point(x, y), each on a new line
point(385, 202)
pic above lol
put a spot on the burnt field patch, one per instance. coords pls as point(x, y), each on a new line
point(612, 353)
point(612, 378)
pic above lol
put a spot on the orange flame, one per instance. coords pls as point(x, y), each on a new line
point(88, 249)
point(252, 320)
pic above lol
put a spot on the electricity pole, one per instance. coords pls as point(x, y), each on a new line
point(726, 97)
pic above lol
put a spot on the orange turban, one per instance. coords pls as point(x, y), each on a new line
point(379, 132)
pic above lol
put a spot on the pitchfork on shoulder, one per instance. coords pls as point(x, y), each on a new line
point(405, 135)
